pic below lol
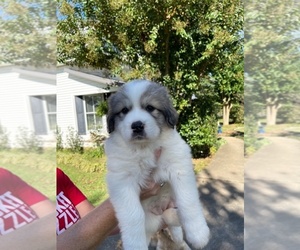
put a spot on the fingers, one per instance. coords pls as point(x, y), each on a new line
point(170, 217)
point(152, 190)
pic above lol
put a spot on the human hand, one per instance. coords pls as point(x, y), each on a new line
point(152, 190)
point(152, 187)
point(162, 206)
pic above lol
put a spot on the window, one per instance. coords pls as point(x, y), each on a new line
point(51, 111)
point(43, 110)
point(86, 107)
point(92, 120)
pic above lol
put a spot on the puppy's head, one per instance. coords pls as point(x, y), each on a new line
point(140, 111)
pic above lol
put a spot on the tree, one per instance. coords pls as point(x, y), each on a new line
point(181, 44)
point(229, 78)
point(271, 54)
point(27, 32)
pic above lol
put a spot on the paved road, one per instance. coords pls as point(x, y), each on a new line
point(272, 196)
point(222, 195)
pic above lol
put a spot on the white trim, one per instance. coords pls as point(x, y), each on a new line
point(90, 77)
point(94, 110)
point(36, 74)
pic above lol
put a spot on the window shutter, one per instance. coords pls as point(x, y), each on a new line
point(80, 115)
point(38, 114)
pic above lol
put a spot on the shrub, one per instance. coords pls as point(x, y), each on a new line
point(237, 114)
point(59, 140)
point(97, 137)
point(4, 138)
point(251, 142)
point(102, 108)
point(289, 114)
point(74, 141)
point(28, 141)
point(200, 135)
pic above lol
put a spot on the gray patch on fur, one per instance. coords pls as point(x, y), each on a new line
point(157, 96)
point(116, 103)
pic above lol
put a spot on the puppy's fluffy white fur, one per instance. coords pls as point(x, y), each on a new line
point(141, 120)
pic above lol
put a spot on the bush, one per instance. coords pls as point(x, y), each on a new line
point(28, 141)
point(200, 135)
point(102, 108)
point(237, 114)
point(74, 141)
point(251, 141)
point(97, 137)
point(4, 139)
point(59, 140)
point(289, 114)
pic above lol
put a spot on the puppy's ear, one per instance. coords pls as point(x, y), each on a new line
point(110, 120)
point(110, 123)
point(169, 112)
point(164, 104)
point(171, 115)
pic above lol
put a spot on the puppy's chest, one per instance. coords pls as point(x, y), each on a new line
point(147, 166)
point(151, 170)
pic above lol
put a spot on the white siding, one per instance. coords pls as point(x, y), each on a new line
point(16, 86)
point(15, 110)
point(68, 87)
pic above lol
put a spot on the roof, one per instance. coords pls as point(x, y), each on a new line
point(96, 76)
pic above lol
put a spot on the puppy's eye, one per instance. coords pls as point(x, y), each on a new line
point(150, 108)
point(124, 111)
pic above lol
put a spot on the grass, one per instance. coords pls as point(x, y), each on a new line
point(258, 144)
point(283, 130)
point(235, 130)
point(38, 170)
point(87, 171)
point(280, 130)
point(92, 184)
point(201, 163)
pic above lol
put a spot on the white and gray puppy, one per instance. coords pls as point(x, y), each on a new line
point(141, 120)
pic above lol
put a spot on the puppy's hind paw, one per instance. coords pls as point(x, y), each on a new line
point(200, 238)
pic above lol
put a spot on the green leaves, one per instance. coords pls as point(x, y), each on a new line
point(271, 49)
point(190, 46)
point(28, 33)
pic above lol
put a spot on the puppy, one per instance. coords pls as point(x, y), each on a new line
point(141, 120)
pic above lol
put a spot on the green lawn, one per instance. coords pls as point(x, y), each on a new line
point(87, 171)
point(285, 130)
point(235, 130)
point(38, 170)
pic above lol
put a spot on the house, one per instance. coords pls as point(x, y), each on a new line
point(38, 101)
point(79, 92)
point(27, 104)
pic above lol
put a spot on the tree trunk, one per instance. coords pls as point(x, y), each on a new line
point(226, 111)
point(272, 109)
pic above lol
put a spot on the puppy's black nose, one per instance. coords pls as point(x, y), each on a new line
point(137, 126)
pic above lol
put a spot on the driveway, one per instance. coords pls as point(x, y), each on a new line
point(272, 196)
point(221, 186)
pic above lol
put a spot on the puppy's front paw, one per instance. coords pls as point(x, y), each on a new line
point(199, 237)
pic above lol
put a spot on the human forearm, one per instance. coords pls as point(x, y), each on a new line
point(91, 230)
point(40, 234)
